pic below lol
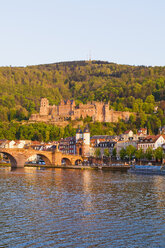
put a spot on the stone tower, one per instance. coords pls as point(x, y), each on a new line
point(79, 134)
point(86, 136)
point(86, 142)
point(107, 113)
point(44, 107)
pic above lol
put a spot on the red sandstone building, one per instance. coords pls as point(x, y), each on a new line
point(99, 111)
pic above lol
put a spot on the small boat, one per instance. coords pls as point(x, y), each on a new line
point(147, 169)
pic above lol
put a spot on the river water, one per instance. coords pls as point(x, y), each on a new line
point(80, 208)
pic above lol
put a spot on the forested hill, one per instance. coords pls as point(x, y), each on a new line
point(133, 88)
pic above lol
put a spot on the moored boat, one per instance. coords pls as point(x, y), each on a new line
point(148, 169)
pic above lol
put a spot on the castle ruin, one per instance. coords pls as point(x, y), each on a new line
point(99, 111)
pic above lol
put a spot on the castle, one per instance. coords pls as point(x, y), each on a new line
point(99, 111)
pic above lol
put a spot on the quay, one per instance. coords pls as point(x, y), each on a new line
point(121, 167)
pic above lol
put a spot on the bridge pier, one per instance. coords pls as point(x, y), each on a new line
point(20, 160)
point(13, 163)
point(56, 158)
point(20, 165)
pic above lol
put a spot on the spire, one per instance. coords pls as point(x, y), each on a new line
point(86, 129)
point(79, 130)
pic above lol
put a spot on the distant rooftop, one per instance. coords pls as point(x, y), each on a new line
point(104, 137)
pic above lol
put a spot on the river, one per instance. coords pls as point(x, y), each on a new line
point(80, 208)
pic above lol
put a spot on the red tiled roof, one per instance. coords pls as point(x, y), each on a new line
point(152, 138)
point(126, 132)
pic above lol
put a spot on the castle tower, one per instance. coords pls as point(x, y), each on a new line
point(99, 114)
point(44, 107)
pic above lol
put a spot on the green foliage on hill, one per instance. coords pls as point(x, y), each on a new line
point(38, 131)
point(49, 132)
point(132, 88)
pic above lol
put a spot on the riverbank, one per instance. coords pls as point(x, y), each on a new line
point(5, 165)
point(118, 167)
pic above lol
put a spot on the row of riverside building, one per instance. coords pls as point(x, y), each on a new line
point(86, 145)
point(83, 144)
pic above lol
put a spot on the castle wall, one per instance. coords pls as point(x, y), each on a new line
point(99, 111)
point(65, 109)
point(53, 111)
point(85, 110)
point(76, 114)
point(116, 115)
point(38, 117)
point(108, 114)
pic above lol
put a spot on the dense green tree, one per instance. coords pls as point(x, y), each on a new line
point(122, 153)
point(106, 152)
point(97, 152)
point(158, 154)
point(37, 136)
point(114, 153)
point(150, 99)
point(139, 154)
point(149, 153)
point(130, 151)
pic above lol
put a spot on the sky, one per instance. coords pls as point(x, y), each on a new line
point(36, 32)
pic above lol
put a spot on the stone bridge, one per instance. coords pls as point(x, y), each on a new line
point(18, 157)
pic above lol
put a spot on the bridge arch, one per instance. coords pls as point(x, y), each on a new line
point(43, 157)
point(78, 161)
point(66, 161)
point(12, 159)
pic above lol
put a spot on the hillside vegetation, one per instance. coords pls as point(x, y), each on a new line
point(134, 88)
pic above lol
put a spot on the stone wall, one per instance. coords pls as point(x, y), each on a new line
point(99, 111)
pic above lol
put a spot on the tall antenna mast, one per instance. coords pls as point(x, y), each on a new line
point(90, 56)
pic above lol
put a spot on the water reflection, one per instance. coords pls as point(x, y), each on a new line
point(80, 208)
point(87, 181)
point(160, 193)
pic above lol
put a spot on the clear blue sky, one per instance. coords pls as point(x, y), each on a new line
point(47, 31)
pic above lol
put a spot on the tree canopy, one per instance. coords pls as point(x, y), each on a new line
point(128, 88)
